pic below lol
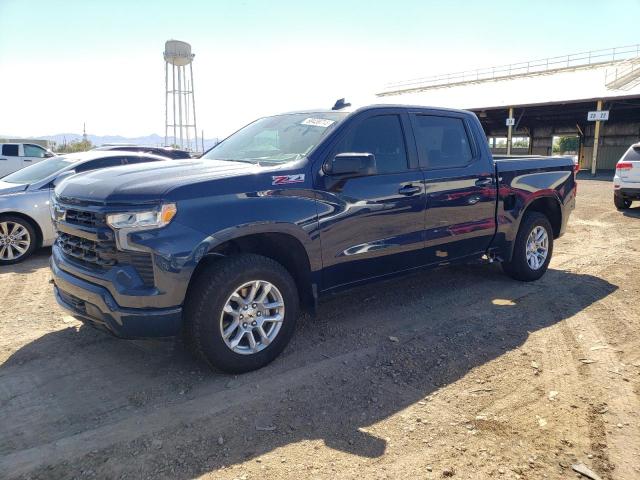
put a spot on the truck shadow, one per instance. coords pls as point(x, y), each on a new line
point(633, 212)
point(602, 175)
point(370, 353)
point(39, 260)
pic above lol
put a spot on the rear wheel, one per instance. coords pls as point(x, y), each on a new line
point(241, 312)
point(620, 202)
point(532, 248)
point(17, 239)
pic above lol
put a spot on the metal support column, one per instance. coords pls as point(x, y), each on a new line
point(509, 132)
point(180, 107)
point(166, 101)
point(173, 93)
point(193, 107)
point(596, 140)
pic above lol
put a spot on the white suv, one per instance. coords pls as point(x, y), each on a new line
point(14, 156)
point(626, 182)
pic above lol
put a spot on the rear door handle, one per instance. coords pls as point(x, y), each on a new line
point(409, 190)
point(483, 182)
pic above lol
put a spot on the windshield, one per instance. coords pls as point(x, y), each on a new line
point(278, 139)
point(39, 171)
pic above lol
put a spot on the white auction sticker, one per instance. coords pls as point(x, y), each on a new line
point(317, 122)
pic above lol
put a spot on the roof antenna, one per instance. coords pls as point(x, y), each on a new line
point(340, 104)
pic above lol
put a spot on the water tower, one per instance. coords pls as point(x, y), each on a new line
point(180, 104)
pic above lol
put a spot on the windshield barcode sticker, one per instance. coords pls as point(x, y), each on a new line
point(286, 179)
point(317, 122)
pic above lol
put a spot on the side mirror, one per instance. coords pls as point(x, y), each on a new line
point(62, 176)
point(352, 164)
point(49, 154)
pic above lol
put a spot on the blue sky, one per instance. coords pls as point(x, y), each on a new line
point(66, 62)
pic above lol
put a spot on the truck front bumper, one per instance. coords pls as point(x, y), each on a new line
point(95, 306)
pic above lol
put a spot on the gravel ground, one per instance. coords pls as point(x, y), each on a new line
point(458, 372)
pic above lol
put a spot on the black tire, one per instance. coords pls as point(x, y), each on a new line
point(620, 202)
point(33, 239)
point(518, 268)
point(207, 297)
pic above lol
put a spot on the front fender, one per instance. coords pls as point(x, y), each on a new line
point(202, 224)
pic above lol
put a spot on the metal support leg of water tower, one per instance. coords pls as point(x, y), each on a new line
point(193, 103)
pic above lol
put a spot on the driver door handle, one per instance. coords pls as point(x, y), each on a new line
point(409, 190)
point(483, 182)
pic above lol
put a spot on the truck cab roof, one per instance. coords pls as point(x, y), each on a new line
point(364, 107)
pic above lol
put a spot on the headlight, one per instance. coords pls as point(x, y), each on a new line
point(58, 214)
point(143, 220)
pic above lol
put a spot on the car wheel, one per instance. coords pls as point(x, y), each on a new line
point(532, 249)
point(17, 239)
point(620, 202)
point(241, 312)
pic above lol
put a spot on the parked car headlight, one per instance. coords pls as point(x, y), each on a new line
point(58, 214)
point(143, 220)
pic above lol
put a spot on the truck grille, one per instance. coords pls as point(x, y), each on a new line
point(99, 255)
point(86, 219)
point(87, 251)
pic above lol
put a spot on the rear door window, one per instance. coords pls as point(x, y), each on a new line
point(138, 159)
point(442, 141)
point(100, 163)
point(10, 150)
point(382, 136)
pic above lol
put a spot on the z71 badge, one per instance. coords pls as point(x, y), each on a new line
point(286, 179)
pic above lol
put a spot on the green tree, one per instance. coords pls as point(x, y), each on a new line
point(569, 144)
point(75, 146)
point(566, 144)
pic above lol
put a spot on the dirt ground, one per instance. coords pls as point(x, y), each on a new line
point(460, 373)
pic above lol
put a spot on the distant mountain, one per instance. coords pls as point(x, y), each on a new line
point(149, 140)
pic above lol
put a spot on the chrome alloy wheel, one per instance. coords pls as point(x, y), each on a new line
point(252, 317)
point(537, 247)
point(14, 240)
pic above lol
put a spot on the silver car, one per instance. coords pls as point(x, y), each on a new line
point(25, 219)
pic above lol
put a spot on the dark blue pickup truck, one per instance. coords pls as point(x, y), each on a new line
point(229, 248)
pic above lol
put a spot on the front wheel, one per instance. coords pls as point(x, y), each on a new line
point(17, 239)
point(532, 248)
point(620, 202)
point(241, 312)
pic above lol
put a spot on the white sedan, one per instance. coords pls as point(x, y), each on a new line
point(25, 219)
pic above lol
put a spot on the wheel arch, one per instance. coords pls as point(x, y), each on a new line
point(549, 206)
point(283, 247)
point(32, 222)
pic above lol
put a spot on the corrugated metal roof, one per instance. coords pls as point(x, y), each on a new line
point(567, 86)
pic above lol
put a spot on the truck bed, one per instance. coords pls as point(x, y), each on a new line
point(509, 163)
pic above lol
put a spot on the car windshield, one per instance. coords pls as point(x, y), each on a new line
point(278, 139)
point(39, 171)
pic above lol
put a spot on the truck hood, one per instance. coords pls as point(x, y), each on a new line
point(147, 182)
point(6, 187)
